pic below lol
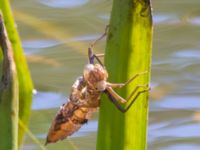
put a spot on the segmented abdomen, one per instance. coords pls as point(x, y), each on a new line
point(68, 120)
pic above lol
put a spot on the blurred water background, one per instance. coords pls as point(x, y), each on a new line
point(55, 36)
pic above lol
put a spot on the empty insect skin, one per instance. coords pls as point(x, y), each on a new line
point(85, 98)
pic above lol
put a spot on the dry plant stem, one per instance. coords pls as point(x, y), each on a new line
point(8, 95)
point(24, 78)
point(5, 45)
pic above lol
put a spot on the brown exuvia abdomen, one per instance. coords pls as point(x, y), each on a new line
point(67, 121)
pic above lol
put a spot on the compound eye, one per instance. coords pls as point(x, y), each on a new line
point(101, 86)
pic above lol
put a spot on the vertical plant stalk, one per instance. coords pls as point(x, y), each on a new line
point(24, 78)
point(128, 52)
point(8, 95)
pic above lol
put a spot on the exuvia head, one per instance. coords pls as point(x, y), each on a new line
point(88, 68)
point(95, 75)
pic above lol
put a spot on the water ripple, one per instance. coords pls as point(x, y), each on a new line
point(178, 102)
point(195, 21)
point(179, 132)
point(160, 18)
point(63, 3)
point(188, 53)
point(47, 100)
point(182, 147)
point(165, 18)
point(35, 46)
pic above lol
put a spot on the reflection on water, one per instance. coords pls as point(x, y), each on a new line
point(189, 54)
point(63, 3)
point(195, 21)
point(47, 100)
point(56, 34)
point(178, 102)
point(39, 43)
point(164, 18)
point(182, 147)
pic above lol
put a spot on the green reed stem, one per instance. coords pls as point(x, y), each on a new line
point(128, 52)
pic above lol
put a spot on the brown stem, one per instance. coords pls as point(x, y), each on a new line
point(7, 56)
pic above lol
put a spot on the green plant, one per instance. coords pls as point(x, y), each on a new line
point(128, 52)
point(24, 79)
point(8, 95)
